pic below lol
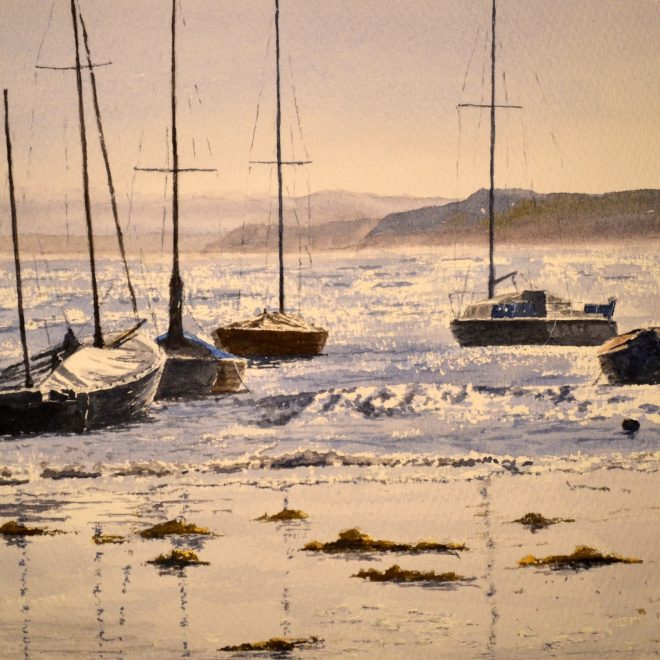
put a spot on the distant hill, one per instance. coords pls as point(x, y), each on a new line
point(524, 216)
point(346, 218)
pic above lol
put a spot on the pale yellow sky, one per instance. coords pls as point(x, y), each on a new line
point(377, 84)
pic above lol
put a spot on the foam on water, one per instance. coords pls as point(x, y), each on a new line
point(392, 382)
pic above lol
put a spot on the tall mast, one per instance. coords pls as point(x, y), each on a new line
point(491, 194)
point(98, 336)
point(175, 331)
point(106, 160)
point(17, 261)
point(278, 124)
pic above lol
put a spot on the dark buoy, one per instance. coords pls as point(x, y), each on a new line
point(630, 425)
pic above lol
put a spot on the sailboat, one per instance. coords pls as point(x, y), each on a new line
point(193, 367)
point(75, 386)
point(530, 316)
point(274, 334)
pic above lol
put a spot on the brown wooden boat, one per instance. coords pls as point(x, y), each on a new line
point(272, 334)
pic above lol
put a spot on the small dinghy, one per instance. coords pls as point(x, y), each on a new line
point(632, 358)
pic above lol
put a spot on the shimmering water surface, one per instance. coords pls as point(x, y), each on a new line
point(392, 424)
point(392, 378)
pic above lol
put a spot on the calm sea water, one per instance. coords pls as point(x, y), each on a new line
point(392, 379)
point(395, 429)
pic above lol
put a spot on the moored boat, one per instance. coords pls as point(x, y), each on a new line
point(632, 358)
point(274, 334)
point(73, 386)
point(528, 317)
point(533, 317)
point(193, 367)
point(198, 367)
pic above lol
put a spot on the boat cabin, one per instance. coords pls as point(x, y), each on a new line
point(534, 304)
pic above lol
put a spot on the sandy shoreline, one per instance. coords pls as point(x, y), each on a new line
point(95, 600)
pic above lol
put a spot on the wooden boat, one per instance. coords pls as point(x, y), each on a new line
point(79, 385)
point(527, 317)
point(533, 317)
point(199, 367)
point(632, 358)
point(91, 388)
point(193, 367)
point(274, 334)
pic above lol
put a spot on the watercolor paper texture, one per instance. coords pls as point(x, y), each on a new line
point(424, 456)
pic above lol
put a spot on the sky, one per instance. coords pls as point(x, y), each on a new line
point(377, 84)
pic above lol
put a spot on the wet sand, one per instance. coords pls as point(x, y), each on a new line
point(64, 595)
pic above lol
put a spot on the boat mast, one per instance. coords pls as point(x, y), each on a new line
point(175, 330)
point(17, 261)
point(106, 160)
point(491, 194)
point(278, 125)
point(98, 335)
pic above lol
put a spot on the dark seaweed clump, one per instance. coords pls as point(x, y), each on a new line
point(178, 559)
point(13, 528)
point(583, 557)
point(102, 539)
point(283, 516)
point(397, 574)
point(177, 527)
point(353, 540)
point(276, 644)
point(536, 521)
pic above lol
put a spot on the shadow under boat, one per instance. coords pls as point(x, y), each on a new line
point(534, 318)
point(195, 367)
point(632, 358)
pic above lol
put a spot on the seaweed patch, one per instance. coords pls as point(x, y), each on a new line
point(178, 559)
point(284, 515)
point(13, 528)
point(177, 527)
point(276, 644)
point(102, 539)
point(397, 574)
point(583, 557)
point(536, 521)
point(354, 540)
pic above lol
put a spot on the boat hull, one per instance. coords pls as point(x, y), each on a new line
point(28, 411)
point(632, 358)
point(260, 342)
point(58, 405)
point(186, 377)
point(532, 331)
point(198, 369)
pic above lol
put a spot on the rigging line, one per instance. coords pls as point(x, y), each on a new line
point(54, 280)
point(295, 105)
point(270, 213)
point(506, 121)
point(106, 161)
point(483, 82)
point(130, 198)
point(469, 63)
point(260, 96)
point(147, 284)
point(552, 133)
point(458, 149)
